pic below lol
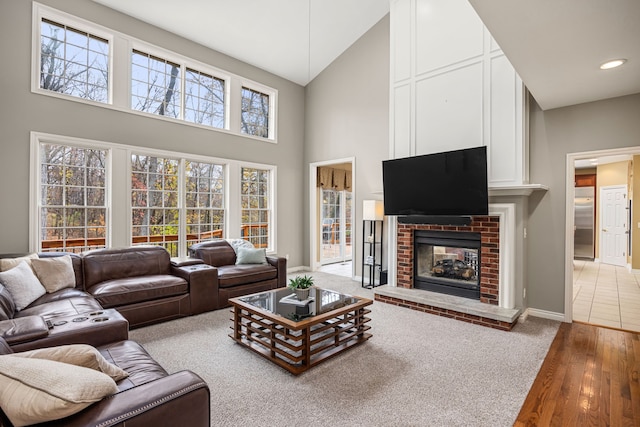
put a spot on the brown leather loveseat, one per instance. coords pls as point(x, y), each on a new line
point(149, 396)
point(234, 279)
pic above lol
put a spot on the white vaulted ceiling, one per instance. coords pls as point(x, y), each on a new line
point(556, 46)
point(295, 39)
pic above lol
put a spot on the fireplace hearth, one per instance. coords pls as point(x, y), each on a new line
point(447, 262)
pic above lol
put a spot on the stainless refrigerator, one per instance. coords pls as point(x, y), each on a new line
point(584, 223)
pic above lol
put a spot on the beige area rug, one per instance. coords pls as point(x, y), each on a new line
point(417, 370)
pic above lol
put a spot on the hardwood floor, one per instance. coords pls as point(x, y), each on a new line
point(590, 377)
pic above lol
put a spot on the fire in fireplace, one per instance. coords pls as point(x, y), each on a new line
point(447, 262)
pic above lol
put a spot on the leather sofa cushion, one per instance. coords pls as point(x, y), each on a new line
point(103, 265)
point(243, 274)
point(64, 307)
point(134, 359)
point(60, 295)
point(131, 290)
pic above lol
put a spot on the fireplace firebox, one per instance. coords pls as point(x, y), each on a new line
point(447, 262)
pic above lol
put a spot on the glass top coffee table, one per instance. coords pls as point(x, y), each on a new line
point(298, 335)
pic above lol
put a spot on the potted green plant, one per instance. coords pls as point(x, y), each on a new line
point(300, 285)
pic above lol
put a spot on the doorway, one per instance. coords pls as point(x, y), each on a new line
point(604, 290)
point(331, 189)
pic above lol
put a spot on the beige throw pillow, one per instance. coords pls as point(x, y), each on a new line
point(55, 273)
point(22, 284)
point(80, 355)
point(9, 263)
point(37, 390)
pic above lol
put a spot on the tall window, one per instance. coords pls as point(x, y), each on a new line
point(255, 203)
point(205, 201)
point(73, 62)
point(155, 85)
point(155, 217)
point(73, 209)
point(255, 113)
point(204, 99)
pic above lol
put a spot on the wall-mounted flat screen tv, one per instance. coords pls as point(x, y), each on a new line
point(453, 183)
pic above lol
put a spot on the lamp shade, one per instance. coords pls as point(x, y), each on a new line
point(372, 210)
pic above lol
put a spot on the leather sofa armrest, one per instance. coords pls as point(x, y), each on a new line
point(280, 263)
point(203, 286)
point(180, 399)
point(181, 262)
point(23, 329)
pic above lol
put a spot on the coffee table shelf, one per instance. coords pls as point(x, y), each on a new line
point(299, 345)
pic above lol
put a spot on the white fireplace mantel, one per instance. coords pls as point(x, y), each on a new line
point(516, 190)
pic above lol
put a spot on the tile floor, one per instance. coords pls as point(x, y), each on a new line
point(606, 295)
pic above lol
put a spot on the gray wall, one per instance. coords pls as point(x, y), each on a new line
point(612, 123)
point(348, 116)
point(23, 112)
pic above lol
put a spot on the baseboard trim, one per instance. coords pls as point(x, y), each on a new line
point(296, 269)
point(535, 312)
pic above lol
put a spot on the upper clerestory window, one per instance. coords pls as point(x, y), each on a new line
point(155, 85)
point(73, 62)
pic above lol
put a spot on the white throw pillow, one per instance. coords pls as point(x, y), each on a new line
point(9, 263)
point(77, 354)
point(55, 273)
point(22, 284)
point(37, 390)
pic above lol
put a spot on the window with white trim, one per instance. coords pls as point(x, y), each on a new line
point(255, 115)
point(73, 62)
point(73, 201)
point(155, 85)
point(204, 99)
point(86, 62)
point(155, 214)
point(255, 202)
point(204, 187)
point(170, 199)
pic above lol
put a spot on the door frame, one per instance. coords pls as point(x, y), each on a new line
point(314, 262)
point(601, 227)
point(569, 220)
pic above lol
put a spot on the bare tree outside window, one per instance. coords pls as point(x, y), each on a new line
point(73, 62)
point(204, 99)
point(73, 198)
point(255, 113)
point(155, 85)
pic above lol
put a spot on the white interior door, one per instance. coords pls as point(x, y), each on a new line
point(613, 225)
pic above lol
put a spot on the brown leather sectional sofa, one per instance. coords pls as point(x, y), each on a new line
point(116, 289)
point(232, 280)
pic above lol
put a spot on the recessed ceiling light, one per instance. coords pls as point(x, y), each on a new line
point(612, 64)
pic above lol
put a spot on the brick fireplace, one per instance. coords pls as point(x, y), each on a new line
point(495, 307)
point(489, 229)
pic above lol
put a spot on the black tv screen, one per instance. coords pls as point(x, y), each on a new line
point(452, 183)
